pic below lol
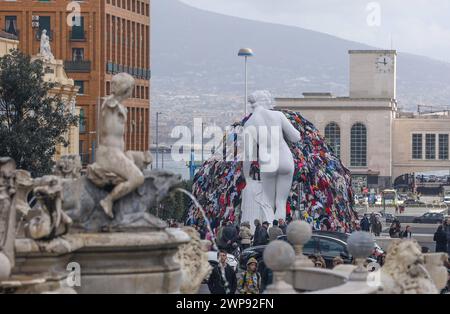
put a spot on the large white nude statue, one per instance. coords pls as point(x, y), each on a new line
point(112, 165)
point(269, 131)
point(45, 49)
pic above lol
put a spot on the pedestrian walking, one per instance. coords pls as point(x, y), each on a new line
point(395, 229)
point(407, 233)
point(246, 235)
point(257, 224)
point(250, 280)
point(223, 278)
point(365, 224)
point(261, 236)
point(229, 237)
point(446, 226)
point(377, 227)
point(274, 231)
point(282, 224)
point(440, 237)
point(372, 221)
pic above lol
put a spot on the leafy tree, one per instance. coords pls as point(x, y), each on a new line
point(176, 205)
point(32, 122)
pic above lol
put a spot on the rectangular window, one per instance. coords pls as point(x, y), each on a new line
point(45, 23)
point(443, 146)
point(78, 30)
point(430, 146)
point(417, 146)
point(80, 84)
point(11, 25)
point(77, 54)
point(82, 123)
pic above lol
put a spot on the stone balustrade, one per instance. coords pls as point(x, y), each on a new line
point(294, 272)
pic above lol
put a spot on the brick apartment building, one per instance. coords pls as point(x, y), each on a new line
point(113, 36)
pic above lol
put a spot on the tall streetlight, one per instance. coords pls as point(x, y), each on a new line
point(245, 52)
point(157, 137)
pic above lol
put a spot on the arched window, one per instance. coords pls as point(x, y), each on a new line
point(333, 137)
point(358, 153)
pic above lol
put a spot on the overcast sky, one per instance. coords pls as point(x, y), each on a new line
point(416, 26)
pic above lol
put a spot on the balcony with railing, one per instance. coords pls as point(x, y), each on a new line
point(139, 73)
point(77, 66)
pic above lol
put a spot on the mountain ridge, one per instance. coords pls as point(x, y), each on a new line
point(194, 53)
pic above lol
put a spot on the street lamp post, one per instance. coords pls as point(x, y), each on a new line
point(157, 138)
point(203, 125)
point(245, 52)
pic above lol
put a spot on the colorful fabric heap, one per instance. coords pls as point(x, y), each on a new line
point(321, 192)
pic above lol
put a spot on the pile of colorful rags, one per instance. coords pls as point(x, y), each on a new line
point(321, 192)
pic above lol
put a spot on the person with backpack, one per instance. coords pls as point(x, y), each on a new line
point(250, 280)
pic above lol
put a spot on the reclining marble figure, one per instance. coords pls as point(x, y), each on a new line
point(114, 167)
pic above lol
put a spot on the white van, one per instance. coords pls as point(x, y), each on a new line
point(447, 200)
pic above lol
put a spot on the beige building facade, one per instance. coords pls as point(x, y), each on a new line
point(66, 89)
point(375, 140)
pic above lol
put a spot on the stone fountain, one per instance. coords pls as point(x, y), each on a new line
point(95, 233)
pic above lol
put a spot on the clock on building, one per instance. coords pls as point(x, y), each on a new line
point(385, 64)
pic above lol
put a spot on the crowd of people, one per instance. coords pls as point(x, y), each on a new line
point(223, 278)
point(372, 224)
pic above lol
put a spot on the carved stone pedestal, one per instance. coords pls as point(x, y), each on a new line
point(140, 262)
point(130, 262)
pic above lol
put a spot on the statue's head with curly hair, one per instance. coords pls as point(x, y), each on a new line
point(122, 85)
point(261, 98)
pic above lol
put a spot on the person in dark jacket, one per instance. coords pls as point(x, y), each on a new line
point(440, 237)
point(258, 227)
point(395, 229)
point(229, 236)
point(262, 236)
point(266, 275)
point(406, 234)
point(223, 278)
point(446, 227)
point(365, 224)
point(282, 224)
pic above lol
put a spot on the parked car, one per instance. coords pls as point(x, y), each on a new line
point(231, 260)
point(389, 218)
point(429, 218)
point(327, 244)
point(413, 202)
point(447, 200)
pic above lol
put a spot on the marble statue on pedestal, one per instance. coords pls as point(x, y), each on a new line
point(269, 130)
point(112, 165)
point(45, 51)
